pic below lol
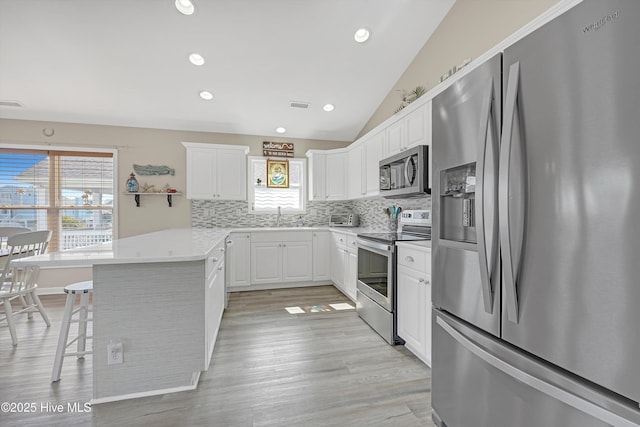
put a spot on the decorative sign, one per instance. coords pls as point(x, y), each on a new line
point(277, 149)
point(154, 170)
point(277, 173)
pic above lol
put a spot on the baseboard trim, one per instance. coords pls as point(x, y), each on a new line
point(267, 286)
point(192, 386)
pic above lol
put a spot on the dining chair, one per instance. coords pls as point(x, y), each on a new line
point(19, 282)
point(5, 233)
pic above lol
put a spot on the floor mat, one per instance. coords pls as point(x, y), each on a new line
point(320, 308)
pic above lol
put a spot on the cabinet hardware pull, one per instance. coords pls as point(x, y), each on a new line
point(408, 258)
point(421, 280)
point(214, 259)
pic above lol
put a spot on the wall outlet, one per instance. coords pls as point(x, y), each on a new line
point(115, 352)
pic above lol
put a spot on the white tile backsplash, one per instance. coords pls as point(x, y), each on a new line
point(230, 214)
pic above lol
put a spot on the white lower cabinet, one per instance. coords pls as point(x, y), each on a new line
point(297, 261)
point(344, 263)
point(238, 259)
point(338, 259)
point(414, 299)
point(266, 262)
point(214, 296)
point(321, 255)
point(289, 259)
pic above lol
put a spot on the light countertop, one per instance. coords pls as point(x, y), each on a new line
point(172, 245)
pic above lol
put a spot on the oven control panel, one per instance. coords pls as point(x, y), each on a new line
point(416, 217)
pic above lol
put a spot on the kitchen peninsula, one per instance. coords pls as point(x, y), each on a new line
point(161, 295)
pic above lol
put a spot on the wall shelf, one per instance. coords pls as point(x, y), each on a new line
point(169, 196)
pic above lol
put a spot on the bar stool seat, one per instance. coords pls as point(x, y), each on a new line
point(83, 289)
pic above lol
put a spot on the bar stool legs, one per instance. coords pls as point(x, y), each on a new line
point(83, 289)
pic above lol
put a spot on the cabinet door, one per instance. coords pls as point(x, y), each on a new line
point(317, 176)
point(337, 266)
point(427, 320)
point(238, 259)
point(231, 175)
point(396, 137)
point(337, 176)
point(214, 306)
point(411, 303)
point(418, 126)
point(297, 260)
point(321, 255)
point(351, 278)
point(355, 183)
point(266, 262)
point(414, 308)
point(374, 152)
point(201, 171)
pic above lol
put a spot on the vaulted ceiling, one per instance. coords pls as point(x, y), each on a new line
point(118, 62)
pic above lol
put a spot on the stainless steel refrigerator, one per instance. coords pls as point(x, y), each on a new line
point(536, 229)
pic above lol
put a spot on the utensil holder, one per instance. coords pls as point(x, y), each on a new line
point(393, 225)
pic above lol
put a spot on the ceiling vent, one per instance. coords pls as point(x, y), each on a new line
point(295, 104)
point(10, 104)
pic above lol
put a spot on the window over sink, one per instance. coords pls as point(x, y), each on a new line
point(264, 199)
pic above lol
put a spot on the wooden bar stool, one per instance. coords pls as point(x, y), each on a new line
point(83, 289)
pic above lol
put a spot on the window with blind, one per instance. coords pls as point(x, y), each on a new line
point(263, 199)
point(69, 193)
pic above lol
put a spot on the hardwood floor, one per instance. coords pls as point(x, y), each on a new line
point(269, 368)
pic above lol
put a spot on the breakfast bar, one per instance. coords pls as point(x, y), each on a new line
point(159, 297)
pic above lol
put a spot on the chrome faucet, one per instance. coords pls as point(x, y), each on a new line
point(278, 219)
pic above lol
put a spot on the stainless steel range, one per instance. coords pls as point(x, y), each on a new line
point(376, 301)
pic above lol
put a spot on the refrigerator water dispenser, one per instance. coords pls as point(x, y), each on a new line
point(458, 203)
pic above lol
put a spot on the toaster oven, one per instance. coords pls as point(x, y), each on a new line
point(347, 219)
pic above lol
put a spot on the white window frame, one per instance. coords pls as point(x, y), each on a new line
point(88, 150)
point(251, 187)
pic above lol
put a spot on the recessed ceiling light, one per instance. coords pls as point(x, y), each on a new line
point(362, 35)
point(206, 95)
point(196, 59)
point(281, 130)
point(328, 107)
point(185, 7)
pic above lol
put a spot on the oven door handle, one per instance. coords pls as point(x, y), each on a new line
point(379, 248)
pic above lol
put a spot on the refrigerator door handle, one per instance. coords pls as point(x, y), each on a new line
point(487, 261)
point(510, 273)
point(532, 381)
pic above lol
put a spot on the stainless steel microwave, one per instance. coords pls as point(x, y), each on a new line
point(405, 174)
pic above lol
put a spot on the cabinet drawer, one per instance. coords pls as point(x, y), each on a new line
point(281, 236)
point(352, 243)
point(339, 239)
point(415, 259)
point(215, 259)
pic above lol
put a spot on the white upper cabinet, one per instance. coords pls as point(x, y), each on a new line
point(410, 130)
point(327, 175)
point(355, 183)
point(317, 176)
point(216, 172)
point(337, 176)
point(374, 152)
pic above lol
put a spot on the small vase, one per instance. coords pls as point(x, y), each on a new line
point(132, 184)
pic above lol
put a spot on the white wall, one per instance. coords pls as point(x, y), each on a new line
point(143, 146)
point(471, 28)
